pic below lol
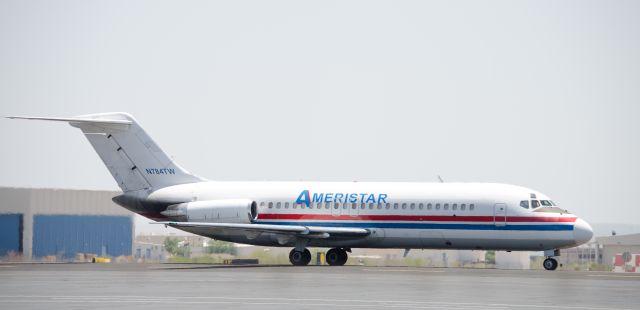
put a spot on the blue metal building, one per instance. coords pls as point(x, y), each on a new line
point(11, 233)
point(61, 223)
point(66, 235)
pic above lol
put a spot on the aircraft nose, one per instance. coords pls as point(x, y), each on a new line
point(582, 231)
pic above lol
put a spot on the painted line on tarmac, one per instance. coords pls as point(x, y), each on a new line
point(613, 275)
point(403, 270)
point(342, 303)
point(295, 303)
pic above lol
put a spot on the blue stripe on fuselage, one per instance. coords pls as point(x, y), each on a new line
point(427, 226)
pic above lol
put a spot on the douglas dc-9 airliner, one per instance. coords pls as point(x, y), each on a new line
point(336, 215)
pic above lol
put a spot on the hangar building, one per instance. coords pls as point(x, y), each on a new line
point(612, 245)
point(40, 222)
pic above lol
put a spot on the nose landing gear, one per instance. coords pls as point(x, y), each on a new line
point(299, 258)
point(550, 264)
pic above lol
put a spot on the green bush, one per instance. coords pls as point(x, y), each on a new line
point(220, 247)
point(172, 245)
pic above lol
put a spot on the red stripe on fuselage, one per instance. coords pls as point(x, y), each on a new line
point(412, 218)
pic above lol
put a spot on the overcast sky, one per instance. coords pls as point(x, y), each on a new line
point(543, 94)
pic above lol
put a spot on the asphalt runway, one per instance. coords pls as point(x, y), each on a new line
point(169, 286)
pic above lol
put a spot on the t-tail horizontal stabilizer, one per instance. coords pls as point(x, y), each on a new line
point(131, 156)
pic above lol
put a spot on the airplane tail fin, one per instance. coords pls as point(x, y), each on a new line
point(133, 158)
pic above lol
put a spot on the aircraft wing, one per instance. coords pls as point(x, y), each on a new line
point(310, 231)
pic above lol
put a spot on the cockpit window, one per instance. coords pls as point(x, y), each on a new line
point(524, 204)
point(546, 203)
point(535, 204)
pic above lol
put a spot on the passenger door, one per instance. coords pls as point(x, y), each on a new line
point(500, 214)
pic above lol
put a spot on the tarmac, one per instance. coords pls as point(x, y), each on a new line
point(176, 286)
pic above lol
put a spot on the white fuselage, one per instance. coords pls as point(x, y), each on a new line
point(339, 215)
point(399, 215)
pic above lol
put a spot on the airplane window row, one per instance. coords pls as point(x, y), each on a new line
point(371, 206)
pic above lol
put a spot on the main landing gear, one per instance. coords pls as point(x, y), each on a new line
point(300, 258)
point(335, 257)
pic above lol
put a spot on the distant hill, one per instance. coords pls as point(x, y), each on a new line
point(604, 229)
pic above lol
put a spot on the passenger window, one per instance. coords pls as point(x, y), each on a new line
point(535, 204)
point(463, 206)
point(379, 206)
point(437, 206)
point(395, 205)
point(262, 204)
point(413, 206)
point(363, 205)
point(454, 206)
point(388, 205)
point(524, 204)
point(326, 205)
point(336, 205)
point(446, 206)
point(404, 206)
point(371, 206)
point(429, 206)
point(286, 205)
point(421, 206)
point(278, 205)
point(471, 206)
point(320, 205)
point(270, 205)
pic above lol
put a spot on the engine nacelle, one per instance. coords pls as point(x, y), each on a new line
point(241, 211)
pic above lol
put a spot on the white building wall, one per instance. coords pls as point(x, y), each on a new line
point(68, 201)
point(513, 260)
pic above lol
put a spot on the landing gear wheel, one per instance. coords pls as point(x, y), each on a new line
point(336, 257)
point(307, 256)
point(343, 257)
point(333, 257)
point(550, 264)
point(300, 258)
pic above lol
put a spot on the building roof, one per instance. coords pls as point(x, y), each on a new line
point(33, 201)
point(632, 239)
